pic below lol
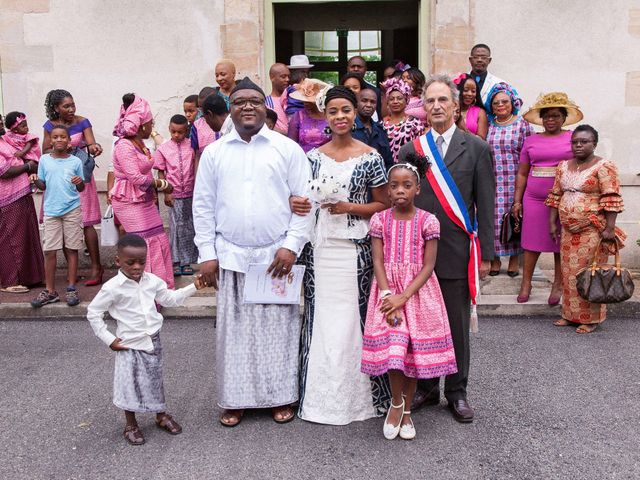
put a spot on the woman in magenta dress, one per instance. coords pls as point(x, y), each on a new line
point(132, 196)
point(507, 132)
point(308, 127)
point(539, 158)
point(61, 109)
point(474, 117)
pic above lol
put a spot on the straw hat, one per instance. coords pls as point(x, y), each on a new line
point(309, 89)
point(554, 100)
point(299, 61)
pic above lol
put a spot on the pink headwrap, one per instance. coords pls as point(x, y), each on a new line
point(18, 141)
point(399, 85)
point(138, 113)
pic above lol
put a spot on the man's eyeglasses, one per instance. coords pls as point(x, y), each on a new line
point(243, 102)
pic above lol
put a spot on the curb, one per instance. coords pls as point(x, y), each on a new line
point(205, 308)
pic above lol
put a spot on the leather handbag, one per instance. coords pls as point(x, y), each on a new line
point(88, 162)
point(510, 228)
point(605, 283)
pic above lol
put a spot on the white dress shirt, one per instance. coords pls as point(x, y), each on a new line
point(446, 137)
point(241, 211)
point(133, 305)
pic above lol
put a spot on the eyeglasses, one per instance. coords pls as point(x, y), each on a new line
point(500, 102)
point(243, 102)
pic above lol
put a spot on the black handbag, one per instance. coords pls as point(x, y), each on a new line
point(510, 228)
point(605, 283)
point(88, 162)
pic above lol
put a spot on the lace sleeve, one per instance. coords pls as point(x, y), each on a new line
point(610, 198)
point(555, 194)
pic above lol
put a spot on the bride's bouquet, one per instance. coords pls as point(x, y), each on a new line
point(327, 189)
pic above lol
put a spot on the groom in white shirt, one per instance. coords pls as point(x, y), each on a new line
point(241, 216)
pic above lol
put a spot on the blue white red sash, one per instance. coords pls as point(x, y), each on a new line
point(449, 196)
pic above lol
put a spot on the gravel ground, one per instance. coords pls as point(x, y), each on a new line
point(549, 404)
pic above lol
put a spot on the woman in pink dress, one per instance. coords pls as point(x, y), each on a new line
point(416, 80)
point(132, 195)
point(21, 259)
point(474, 117)
point(61, 109)
point(539, 158)
point(407, 331)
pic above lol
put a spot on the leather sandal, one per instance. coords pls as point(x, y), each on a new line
point(286, 414)
point(167, 423)
point(231, 418)
point(133, 435)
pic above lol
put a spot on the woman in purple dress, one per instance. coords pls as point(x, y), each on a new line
point(308, 127)
point(540, 155)
point(507, 131)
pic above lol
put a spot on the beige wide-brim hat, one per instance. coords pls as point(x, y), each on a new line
point(554, 100)
point(308, 90)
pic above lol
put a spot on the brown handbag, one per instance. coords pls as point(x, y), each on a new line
point(605, 283)
point(510, 229)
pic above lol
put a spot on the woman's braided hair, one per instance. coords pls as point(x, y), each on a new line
point(54, 98)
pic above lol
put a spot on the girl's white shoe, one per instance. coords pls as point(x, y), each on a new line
point(408, 430)
point(391, 431)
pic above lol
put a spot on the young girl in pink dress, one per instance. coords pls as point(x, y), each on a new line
point(407, 329)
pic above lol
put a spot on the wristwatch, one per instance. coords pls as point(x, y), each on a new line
point(384, 293)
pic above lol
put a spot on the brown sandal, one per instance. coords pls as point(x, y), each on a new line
point(562, 323)
point(167, 423)
point(285, 413)
point(231, 418)
point(133, 435)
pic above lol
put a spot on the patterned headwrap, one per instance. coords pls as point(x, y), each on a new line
point(130, 120)
point(399, 85)
point(516, 101)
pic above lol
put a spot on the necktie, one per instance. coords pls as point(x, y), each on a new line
point(439, 142)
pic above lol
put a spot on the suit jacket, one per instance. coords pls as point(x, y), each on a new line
point(469, 162)
point(489, 81)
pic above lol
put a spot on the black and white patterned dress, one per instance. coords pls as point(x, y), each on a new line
point(339, 270)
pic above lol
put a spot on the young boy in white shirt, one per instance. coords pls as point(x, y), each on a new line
point(130, 298)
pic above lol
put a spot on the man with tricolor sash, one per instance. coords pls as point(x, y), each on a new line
point(459, 189)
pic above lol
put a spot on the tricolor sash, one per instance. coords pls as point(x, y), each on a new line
point(449, 196)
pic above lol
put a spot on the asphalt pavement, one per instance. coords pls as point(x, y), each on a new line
point(549, 404)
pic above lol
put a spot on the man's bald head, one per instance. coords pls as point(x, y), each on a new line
point(279, 76)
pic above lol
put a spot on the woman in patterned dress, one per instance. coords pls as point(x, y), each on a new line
point(338, 275)
point(507, 131)
point(61, 109)
point(400, 127)
point(586, 196)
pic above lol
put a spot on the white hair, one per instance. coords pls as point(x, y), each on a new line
point(444, 79)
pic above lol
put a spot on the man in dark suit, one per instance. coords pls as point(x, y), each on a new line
point(468, 159)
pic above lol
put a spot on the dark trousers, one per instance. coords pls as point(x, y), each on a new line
point(458, 304)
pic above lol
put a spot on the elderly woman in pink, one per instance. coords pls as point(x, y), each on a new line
point(132, 195)
point(21, 260)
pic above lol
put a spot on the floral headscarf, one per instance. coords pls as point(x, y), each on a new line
point(516, 101)
point(130, 120)
point(399, 85)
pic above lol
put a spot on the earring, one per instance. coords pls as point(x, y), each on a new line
point(353, 127)
point(327, 130)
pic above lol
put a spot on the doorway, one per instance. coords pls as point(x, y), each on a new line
point(330, 33)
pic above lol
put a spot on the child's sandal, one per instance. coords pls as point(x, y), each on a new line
point(408, 431)
point(187, 270)
point(133, 435)
point(167, 423)
point(177, 271)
